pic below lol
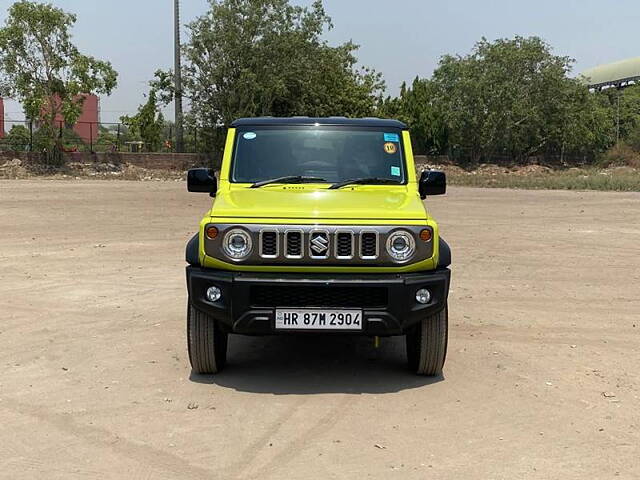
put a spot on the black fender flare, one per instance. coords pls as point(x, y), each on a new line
point(192, 252)
point(444, 259)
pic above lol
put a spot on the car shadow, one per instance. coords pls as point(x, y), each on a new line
point(309, 364)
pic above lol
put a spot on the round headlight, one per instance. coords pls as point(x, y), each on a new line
point(237, 244)
point(401, 246)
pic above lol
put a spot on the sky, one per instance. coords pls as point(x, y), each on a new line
point(401, 39)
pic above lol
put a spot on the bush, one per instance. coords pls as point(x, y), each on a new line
point(18, 138)
point(633, 139)
point(621, 155)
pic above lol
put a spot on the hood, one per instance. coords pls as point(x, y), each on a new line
point(309, 202)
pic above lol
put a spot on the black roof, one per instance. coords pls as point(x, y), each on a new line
point(356, 122)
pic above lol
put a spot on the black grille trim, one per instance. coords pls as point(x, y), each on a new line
point(293, 241)
point(269, 243)
point(368, 245)
point(344, 245)
point(271, 296)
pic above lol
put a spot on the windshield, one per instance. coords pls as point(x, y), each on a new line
point(332, 154)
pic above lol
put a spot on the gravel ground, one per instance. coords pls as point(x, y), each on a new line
point(542, 379)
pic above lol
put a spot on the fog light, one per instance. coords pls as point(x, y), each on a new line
point(423, 296)
point(213, 294)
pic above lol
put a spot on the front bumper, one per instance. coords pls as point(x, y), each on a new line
point(249, 300)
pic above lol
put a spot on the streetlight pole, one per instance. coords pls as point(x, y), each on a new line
point(618, 115)
point(178, 79)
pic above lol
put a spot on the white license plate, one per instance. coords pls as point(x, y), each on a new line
point(318, 319)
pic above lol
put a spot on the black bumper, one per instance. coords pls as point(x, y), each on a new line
point(249, 300)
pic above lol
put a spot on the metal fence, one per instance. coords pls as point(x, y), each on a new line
point(95, 137)
point(91, 137)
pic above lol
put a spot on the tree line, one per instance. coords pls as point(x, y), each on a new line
point(507, 100)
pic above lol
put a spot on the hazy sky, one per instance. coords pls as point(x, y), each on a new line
point(401, 38)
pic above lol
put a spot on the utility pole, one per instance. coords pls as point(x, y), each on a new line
point(178, 79)
point(618, 115)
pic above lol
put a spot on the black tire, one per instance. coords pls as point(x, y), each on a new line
point(207, 344)
point(427, 344)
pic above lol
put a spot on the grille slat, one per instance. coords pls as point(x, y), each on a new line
point(344, 244)
point(294, 244)
point(317, 296)
point(368, 245)
point(269, 244)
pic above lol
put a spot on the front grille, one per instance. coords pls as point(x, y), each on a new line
point(317, 296)
point(269, 244)
point(344, 244)
point(368, 245)
point(294, 244)
point(315, 244)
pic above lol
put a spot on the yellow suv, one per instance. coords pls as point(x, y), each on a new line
point(318, 225)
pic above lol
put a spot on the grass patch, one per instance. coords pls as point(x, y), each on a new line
point(615, 179)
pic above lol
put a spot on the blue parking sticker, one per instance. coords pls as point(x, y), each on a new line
point(391, 137)
point(395, 171)
point(249, 136)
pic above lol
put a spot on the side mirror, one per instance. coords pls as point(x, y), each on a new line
point(432, 182)
point(202, 180)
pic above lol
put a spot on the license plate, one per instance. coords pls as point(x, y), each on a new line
point(318, 319)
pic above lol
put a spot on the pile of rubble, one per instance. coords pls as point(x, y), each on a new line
point(13, 169)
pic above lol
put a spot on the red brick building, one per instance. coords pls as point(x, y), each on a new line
point(87, 125)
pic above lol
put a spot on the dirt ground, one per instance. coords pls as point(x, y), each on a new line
point(542, 379)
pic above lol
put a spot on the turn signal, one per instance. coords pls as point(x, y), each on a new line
point(425, 235)
point(211, 232)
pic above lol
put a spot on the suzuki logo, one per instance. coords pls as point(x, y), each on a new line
point(319, 243)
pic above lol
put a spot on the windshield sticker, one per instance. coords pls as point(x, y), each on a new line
point(249, 136)
point(395, 171)
point(390, 148)
point(391, 137)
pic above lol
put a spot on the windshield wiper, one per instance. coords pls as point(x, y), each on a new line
point(359, 181)
point(287, 179)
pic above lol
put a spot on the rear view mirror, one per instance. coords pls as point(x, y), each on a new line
point(432, 182)
point(202, 180)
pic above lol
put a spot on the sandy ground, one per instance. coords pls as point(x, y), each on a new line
point(542, 379)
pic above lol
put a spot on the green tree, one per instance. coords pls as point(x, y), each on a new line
point(513, 97)
point(148, 124)
point(267, 57)
point(107, 138)
point(416, 107)
point(43, 69)
point(624, 105)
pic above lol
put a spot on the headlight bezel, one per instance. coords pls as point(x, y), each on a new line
point(233, 253)
point(405, 255)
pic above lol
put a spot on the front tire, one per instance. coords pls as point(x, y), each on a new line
point(206, 342)
point(427, 344)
